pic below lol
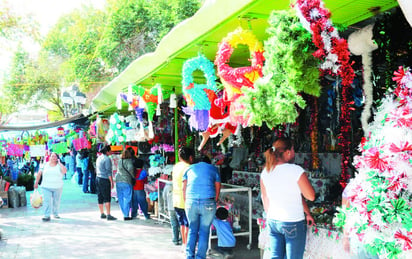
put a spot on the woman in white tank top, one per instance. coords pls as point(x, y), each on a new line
point(52, 185)
point(282, 185)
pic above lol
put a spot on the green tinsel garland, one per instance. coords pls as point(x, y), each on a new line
point(290, 69)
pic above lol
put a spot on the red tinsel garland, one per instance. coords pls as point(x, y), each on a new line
point(336, 60)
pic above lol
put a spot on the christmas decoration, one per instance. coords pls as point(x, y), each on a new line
point(197, 95)
point(150, 100)
point(334, 53)
point(290, 69)
point(117, 131)
point(360, 43)
point(380, 198)
point(234, 79)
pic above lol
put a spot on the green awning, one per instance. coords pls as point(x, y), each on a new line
point(203, 32)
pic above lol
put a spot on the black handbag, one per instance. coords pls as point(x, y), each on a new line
point(133, 178)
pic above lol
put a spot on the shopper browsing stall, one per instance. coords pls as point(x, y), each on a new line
point(201, 189)
point(282, 185)
point(124, 183)
point(186, 157)
point(168, 200)
point(52, 185)
point(139, 194)
point(226, 241)
point(104, 181)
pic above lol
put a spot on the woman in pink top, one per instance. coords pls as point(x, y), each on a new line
point(282, 185)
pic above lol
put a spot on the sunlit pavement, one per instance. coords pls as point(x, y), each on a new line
point(80, 233)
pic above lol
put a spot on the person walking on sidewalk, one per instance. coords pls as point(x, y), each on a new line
point(104, 182)
point(52, 185)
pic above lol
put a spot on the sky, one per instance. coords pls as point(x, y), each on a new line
point(46, 12)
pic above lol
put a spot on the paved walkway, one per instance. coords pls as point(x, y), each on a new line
point(80, 233)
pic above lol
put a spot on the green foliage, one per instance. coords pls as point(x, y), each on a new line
point(14, 26)
point(289, 70)
point(90, 47)
point(26, 180)
point(75, 39)
point(33, 82)
point(136, 27)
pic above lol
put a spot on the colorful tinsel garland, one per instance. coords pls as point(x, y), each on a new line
point(334, 53)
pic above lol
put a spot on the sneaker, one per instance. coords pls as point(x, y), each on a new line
point(46, 219)
point(110, 217)
point(56, 216)
point(102, 216)
point(127, 218)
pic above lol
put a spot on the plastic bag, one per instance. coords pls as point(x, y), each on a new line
point(36, 199)
point(75, 178)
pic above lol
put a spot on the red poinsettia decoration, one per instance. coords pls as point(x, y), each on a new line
point(374, 160)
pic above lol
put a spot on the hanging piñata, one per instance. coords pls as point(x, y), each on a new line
point(198, 96)
point(235, 80)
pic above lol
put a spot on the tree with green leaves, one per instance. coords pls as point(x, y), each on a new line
point(90, 47)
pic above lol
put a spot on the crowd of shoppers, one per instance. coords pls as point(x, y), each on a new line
point(194, 194)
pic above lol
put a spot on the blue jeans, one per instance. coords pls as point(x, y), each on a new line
point(86, 175)
point(124, 195)
point(139, 199)
point(79, 175)
point(51, 200)
point(200, 213)
point(287, 239)
point(175, 226)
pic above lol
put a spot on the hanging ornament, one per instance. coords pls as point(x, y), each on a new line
point(117, 131)
point(233, 79)
point(197, 95)
point(289, 70)
point(173, 101)
point(361, 43)
point(335, 56)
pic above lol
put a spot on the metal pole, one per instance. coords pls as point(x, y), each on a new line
point(176, 135)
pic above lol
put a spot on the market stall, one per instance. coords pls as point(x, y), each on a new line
point(233, 106)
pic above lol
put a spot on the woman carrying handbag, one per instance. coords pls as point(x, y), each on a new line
point(124, 183)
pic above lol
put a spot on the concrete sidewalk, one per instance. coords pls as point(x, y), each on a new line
point(80, 233)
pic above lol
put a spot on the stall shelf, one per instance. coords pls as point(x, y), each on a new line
point(162, 190)
point(229, 195)
point(251, 180)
